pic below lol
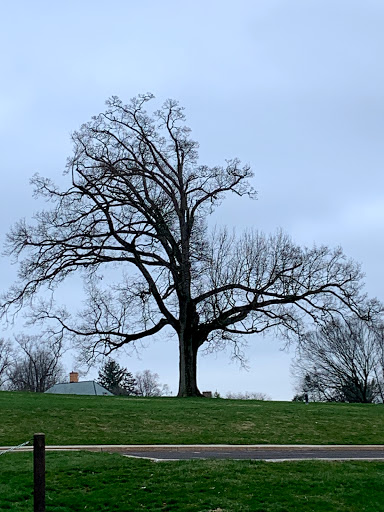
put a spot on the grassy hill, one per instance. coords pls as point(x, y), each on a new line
point(113, 420)
point(105, 482)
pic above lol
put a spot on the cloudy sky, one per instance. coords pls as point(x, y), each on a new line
point(295, 88)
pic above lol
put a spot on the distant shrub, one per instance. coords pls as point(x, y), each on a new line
point(248, 396)
point(300, 397)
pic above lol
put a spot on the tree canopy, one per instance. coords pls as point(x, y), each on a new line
point(342, 361)
point(147, 384)
point(37, 365)
point(116, 379)
point(139, 200)
point(6, 353)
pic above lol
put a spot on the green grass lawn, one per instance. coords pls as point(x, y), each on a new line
point(103, 482)
point(113, 420)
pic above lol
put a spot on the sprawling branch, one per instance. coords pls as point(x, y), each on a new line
point(257, 282)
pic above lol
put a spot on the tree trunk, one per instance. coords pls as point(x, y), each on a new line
point(187, 366)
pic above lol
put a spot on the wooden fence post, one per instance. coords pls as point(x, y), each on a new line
point(39, 472)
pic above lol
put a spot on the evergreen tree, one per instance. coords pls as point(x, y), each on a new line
point(116, 379)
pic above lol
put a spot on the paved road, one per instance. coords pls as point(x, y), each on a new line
point(269, 453)
point(255, 452)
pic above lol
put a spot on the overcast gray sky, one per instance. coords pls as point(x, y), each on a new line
point(295, 88)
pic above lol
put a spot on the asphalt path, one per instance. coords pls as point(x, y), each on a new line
point(273, 453)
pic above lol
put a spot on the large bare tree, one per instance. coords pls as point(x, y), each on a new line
point(37, 366)
point(139, 201)
point(341, 361)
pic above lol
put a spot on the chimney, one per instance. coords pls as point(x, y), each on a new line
point(73, 377)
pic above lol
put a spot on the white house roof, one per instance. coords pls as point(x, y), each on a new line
point(88, 387)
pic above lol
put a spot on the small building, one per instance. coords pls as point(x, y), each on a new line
point(74, 387)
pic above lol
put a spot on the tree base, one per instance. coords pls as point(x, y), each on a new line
point(191, 394)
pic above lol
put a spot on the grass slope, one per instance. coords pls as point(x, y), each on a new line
point(111, 483)
point(113, 420)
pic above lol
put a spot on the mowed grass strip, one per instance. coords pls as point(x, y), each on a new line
point(105, 482)
point(112, 420)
